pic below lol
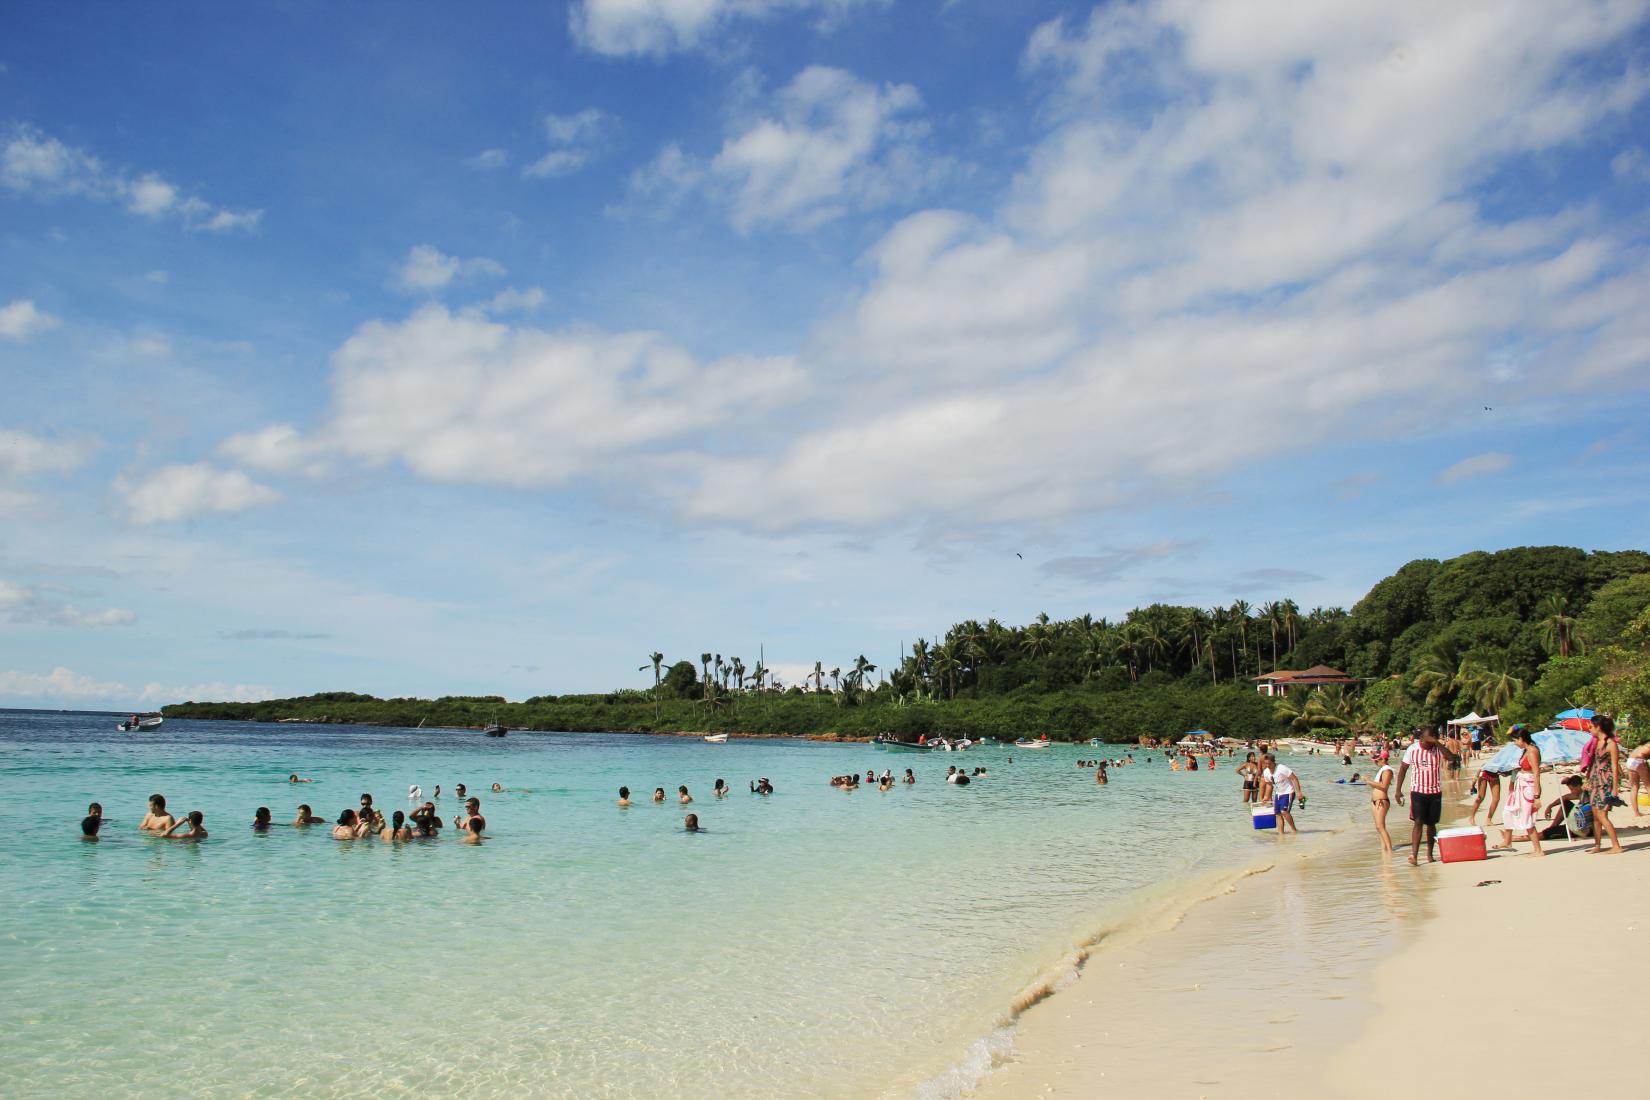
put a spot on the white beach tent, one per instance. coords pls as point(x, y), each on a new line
point(1475, 719)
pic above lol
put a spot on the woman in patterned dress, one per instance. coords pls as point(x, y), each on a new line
point(1603, 778)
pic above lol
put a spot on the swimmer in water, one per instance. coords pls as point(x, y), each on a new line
point(293, 778)
point(885, 784)
point(1100, 776)
point(397, 829)
point(415, 793)
point(472, 808)
point(682, 796)
point(196, 831)
point(692, 824)
point(497, 788)
point(92, 822)
point(260, 820)
point(909, 778)
point(306, 817)
point(624, 797)
point(658, 794)
point(720, 790)
point(157, 820)
point(345, 829)
point(458, 790)
point(437, 794)
point(473, 834)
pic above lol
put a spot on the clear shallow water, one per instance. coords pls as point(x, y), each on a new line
point(814, 942)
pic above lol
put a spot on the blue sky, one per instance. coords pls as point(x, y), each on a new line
point(417, 349)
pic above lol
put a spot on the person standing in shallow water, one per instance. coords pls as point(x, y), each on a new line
point(157, 820)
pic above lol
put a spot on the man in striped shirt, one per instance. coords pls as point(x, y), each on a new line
point(1426, 803)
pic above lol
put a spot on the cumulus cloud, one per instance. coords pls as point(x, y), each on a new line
point(34, 163)
point(658, 27)
point(828, 143)
point(64, 685)
point(23, 455)
point(21, 319)
point(458, 397)
point(278, 449)
point(426, 269)
point(488, 159)
point(574, 140)
point(1492, 462)
point(35, 606)
point(58, 684)
point(183, 491)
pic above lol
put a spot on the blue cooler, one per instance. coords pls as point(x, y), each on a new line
point(1265, 817)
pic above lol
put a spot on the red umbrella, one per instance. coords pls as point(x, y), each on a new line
point(1581, 724)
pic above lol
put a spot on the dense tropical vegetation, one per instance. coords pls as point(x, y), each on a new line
point(1523, 632)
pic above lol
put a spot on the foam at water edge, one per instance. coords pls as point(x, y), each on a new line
point(980, 1058)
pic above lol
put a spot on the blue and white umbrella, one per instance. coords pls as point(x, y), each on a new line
point(1576, 712)
point(1505, 760)
point(1561, 746)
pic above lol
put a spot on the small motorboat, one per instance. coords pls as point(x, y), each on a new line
point(905, 746)
point(716, 738)
point(961, 743)
point(1040, 743)
point(493, 729)
point(140, 723)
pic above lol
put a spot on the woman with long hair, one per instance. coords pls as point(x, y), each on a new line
point(1519, 812)
point(1380, 802)
point(1603, 756)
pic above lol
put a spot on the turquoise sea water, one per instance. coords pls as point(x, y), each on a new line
point(814, 942)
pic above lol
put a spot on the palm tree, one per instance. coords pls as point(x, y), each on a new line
point(1557, 624)
point(739, 672)
point(1489, 678)
point(1437, 672)
point(836, 679)
point(704, 667)
point(1240, 617)
point(861, 668)
point(819, 676)
point(1272, 612)
point(658, 660)
point(947, 664)
point(1291, 620)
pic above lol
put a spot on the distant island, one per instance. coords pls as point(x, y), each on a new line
point(1522, 633)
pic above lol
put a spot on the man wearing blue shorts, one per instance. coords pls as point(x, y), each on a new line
point(1285, 786)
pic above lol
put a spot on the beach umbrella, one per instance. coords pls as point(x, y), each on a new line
point(1577, 712)
point(1575, 724)
point(1506, 759)
point(1560, 746)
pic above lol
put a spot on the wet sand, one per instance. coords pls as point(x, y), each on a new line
point(1307, 978)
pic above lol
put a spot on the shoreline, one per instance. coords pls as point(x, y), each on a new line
point(1328, 959)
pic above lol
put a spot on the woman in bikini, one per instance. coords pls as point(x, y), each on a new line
point(1523, 794)
point(1251, 777)
point(1638, 774)
point(1380, 801)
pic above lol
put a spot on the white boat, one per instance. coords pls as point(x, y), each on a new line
point(1042, 743)
point(962, 743)
point(717, 738)
point(137, 723)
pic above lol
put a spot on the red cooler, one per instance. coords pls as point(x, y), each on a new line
point(1461, 845)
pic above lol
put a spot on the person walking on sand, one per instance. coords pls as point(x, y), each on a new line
point(1523, 794)
point(1488, 783)
point(1380, 803)
point(1638, 775)
point(1426, 804)
point(1601, 760)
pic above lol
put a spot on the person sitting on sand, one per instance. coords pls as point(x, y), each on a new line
point(293, 778)
point(472, 833)
point(682, 795)
point(260, 820)
point(92, 822)
point(194, 830)
point(306, 817)
point(1559, 808)
point(345, 829)
point(397, 829)
point(157, 820)
point(624, 797)
point(909, 778)
point(658, 794)
point(692, 824)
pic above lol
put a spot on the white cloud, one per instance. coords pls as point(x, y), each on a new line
point(1482, 465)
point(827, 144)
point(149, 345)
point(21, 319)
point(278, 449)
point(182, 491)
point(1631, 164)
point(459, 398)
point(427, 269)
point(33, 163)
point(574, 140)
point(23, 455)
point(158, 277)
point(488, 159)
point(63, 685)
point(29, 605)
point(511, 300)
point(657, 27)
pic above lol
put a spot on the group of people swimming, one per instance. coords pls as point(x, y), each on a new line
point(354, 823)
